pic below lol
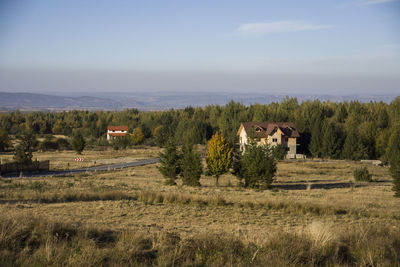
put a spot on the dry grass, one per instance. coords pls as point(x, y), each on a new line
point(62, 160)
point(34, 241)
point(314, 202)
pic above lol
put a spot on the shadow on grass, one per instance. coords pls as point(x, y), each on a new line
point(305, 186)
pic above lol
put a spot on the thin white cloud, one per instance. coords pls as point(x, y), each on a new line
point(376, 2)
point(264, 28)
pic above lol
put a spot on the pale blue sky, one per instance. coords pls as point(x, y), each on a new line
point(353, 45)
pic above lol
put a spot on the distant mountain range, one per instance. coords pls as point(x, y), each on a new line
point(29, 101)
point(156, 100)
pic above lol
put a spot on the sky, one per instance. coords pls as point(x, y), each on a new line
point(271, 46)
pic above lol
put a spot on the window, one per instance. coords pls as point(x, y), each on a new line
point(287, 149)
point(274, 140)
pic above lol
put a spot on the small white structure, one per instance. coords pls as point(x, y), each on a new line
point(116, 131)
point(271, 133)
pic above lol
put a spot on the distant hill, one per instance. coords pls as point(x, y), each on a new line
point(157, 100)
point(30, 101)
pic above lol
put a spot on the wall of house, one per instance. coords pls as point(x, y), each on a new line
point(276, 135)
point(292, 145)
point(109, 136)
point(242, 139)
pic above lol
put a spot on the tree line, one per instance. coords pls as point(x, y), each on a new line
point(347, 130)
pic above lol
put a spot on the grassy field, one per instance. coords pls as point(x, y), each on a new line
point(63, 160)
point(313, 211)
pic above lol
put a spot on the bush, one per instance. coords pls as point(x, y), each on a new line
point(63, 144)
point(47, 145)
point(121, 142)
point(362, 175)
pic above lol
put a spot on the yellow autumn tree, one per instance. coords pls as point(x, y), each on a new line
point(219, 156)
point(137, 136)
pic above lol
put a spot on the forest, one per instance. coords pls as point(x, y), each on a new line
point(347, 130)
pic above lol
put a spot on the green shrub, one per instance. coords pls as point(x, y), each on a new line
point(362, 175)
point(63, 144)
point(47, 145)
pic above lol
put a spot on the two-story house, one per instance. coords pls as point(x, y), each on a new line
point(271, 133)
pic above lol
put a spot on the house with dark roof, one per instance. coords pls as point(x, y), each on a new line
point(116, 131)
point(271, 133)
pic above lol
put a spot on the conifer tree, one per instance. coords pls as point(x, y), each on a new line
point(394, 159)
point(219, 156)
point(23, 151)
point(4, 140)
point(316, 139)
point(78, 142)
point(191, 166)
point(257, 166)
point(354, 147)
point(331, 141)
point(170, 162)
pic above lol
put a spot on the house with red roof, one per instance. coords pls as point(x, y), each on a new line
point(116, 131)
point(271, 133)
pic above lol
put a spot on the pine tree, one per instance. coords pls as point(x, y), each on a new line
point(257, 166)
point(191, 166)
point(4, 140)
point(394, 159)
point(316, 139)
point(341, 113)
point(170, 162)
point(160, 135)
point(331, 141)
point(219, 156)
point(354, 147)
point(23, 151)
point(78, 142)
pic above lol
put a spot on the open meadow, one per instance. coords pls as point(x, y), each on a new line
point(65, 159)
point(314, 214)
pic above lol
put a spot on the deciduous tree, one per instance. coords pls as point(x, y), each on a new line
point(219, 156)
point(137, 136)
